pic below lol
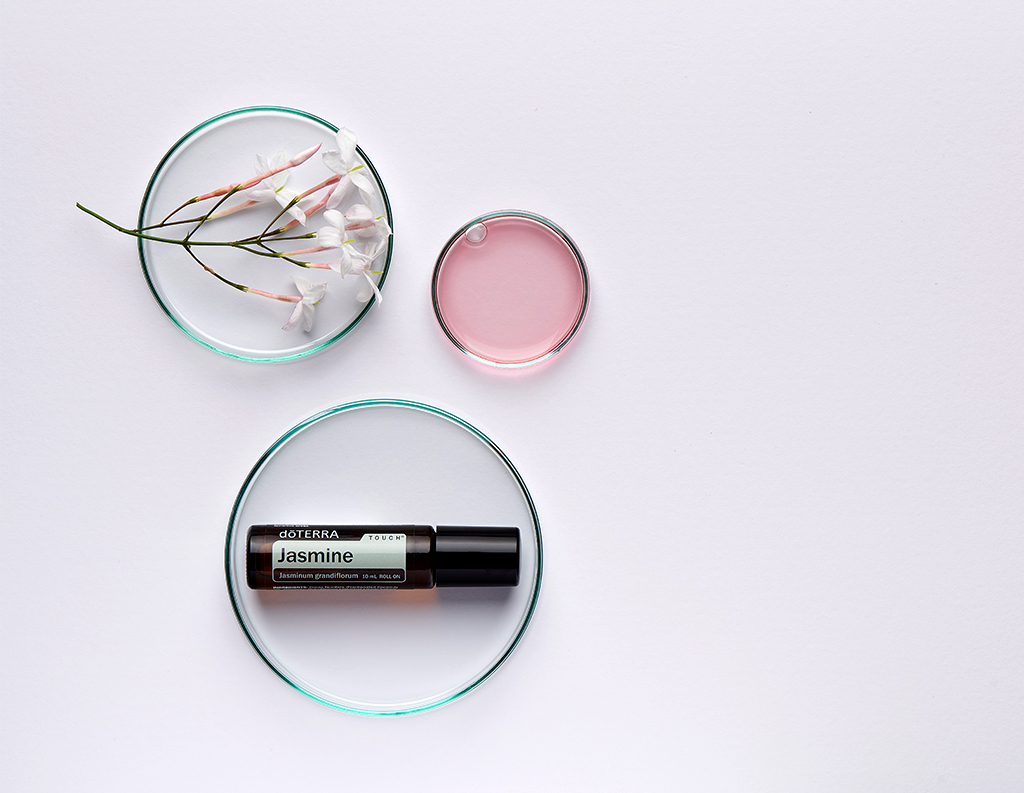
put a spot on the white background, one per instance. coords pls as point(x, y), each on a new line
point(799, 390)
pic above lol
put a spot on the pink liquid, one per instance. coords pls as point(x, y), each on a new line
point(514, 297)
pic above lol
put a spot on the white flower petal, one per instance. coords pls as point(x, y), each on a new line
point(302, 284)
point(339, 192)
point(347, 145)
point(359, 220)
point(344, 264)
point(363, 183)
point(285, 197)
point(333, 160)
point(293, 320)
point(314, 295)
point(376, 250)
point(373, 291)
point(358, 212)
point(259, 193)
point(329, 237)
point(308, 310)
point(278, 180)
point(335, 218)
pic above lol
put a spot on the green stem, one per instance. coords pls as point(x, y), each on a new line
point(242, 245)
point(213, 209)
point(291, 203)
point(176, 211)
point(258, 238)
point(279, 255)
point(169, 223)
point(214, 273)
point(309, 236)
point(141, 236)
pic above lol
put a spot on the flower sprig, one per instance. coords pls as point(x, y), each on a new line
point(355, 234)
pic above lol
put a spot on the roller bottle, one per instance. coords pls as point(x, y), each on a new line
point(381, 557)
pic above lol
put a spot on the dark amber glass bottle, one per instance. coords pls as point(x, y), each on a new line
point(381, 557)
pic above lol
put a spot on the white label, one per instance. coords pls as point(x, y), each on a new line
point(373, 558)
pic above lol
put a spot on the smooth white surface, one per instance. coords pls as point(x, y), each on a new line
point(799, 384)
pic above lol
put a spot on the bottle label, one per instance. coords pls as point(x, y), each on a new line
point(368, 560)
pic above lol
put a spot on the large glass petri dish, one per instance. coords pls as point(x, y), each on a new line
point(510, 289)
point(384, 652)
point(219, 152)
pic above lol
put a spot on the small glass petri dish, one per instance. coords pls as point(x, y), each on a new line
point(219, 152)
point(510, 289)
point(384, 652)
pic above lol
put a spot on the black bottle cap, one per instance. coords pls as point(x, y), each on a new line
point(476, 556)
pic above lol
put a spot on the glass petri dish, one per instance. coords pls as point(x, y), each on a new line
point(384, 652)
point(510, 289)
point(220, 152)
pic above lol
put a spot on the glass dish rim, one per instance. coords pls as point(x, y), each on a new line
point(579, 260)
point(145, 268)
point(370, 403)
